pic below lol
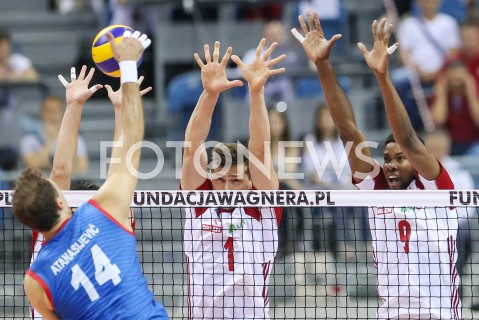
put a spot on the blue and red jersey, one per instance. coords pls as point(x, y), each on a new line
point(90, 270)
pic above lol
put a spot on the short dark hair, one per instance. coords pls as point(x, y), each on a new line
point(85, 185)
point(5, 34)
point(390, 139)
point(220, 158)
point(34, 201)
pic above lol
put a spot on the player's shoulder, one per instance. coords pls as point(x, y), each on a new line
point(442, 182)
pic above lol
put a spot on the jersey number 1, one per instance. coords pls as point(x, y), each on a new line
point(231, 258)
point(404, 234)
point(104, 272)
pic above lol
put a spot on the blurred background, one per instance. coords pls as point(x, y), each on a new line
point(44, 38)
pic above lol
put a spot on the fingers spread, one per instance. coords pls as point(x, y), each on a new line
point(73, 74)
point(95, 88)
point(207, 53)
point(375, 30)
point(81, 76)
point(268, 52)
point(108, 89)
point(309, 16)
point(62, 80)
point(140, 80)
point(317, 23)
point(333, 40)
point(145, 91)
point(381, 29)
point(277, 71)
point(259, 48)
point(303, 24)
point(198, 60)
point(90, 74)
point(362, 48)
point(393, 48)
point(276, 60)
point(216, 52)
point(226, 57)
point(297, 35)
point(237, 60)
point(235, 83)
point(388, 33)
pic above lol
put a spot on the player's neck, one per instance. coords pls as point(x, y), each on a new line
point(56, 228)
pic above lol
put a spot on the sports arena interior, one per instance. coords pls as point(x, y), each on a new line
point(54, 35)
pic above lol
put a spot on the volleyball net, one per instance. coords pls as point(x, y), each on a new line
point(325, 265)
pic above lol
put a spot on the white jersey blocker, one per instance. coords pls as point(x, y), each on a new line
point(229, 259)
point(415, 255)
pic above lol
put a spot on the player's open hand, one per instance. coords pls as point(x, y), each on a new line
point(115, 96)
point(130, 47)
point(77, 91)
point(315, 44)
point(258, 72)
point(213, 72)
point(378, 58)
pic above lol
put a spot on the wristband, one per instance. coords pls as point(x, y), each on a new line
point(128, 71)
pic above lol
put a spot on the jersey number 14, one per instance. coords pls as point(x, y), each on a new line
point(104, 272)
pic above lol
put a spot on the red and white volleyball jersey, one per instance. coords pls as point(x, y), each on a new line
point(415, 255)
point(229, 259)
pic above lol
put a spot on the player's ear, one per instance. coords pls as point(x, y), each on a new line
point(59, 204)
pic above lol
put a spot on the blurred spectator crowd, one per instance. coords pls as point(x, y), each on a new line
point(439, 46)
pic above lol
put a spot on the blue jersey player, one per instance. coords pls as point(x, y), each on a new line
point(88, 267)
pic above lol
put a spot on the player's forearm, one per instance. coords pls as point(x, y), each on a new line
point(66, 146)
point(132, 120)
point(118, 127)
point(200, 121)
point(338, 103)
point(259, 129)
point(398, 118)
point(117, 137)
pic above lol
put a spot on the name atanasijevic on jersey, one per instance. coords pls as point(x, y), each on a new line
point(74, 249)
point(274, 198)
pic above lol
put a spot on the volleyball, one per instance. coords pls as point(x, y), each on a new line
point(101, 50)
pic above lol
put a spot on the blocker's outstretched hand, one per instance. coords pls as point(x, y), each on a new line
point(259, 71)
point(378, 58)
point(314, 42)
point(77, 90)
point(115, 96)
point(213, 72)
